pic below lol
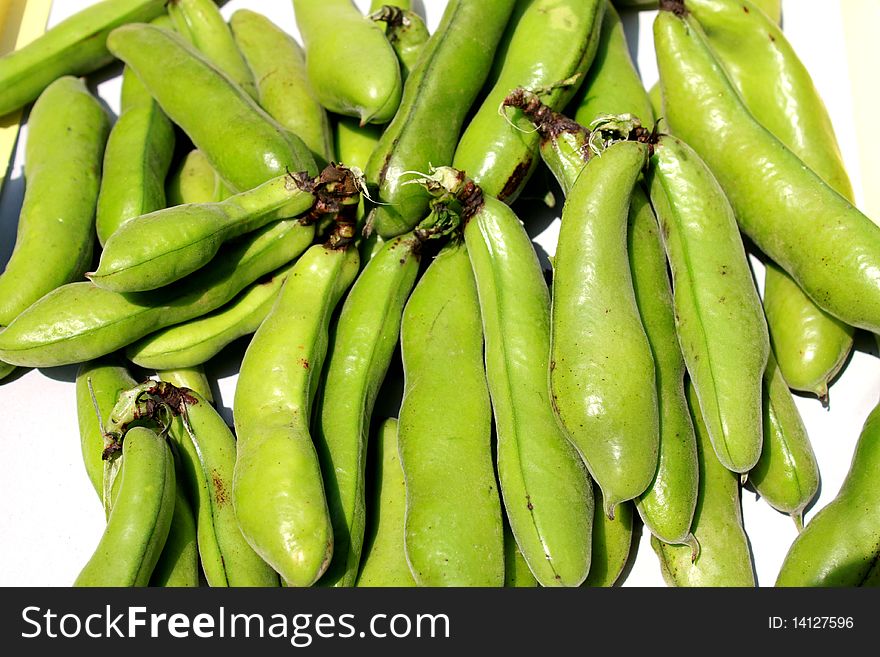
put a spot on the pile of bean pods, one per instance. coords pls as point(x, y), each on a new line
point(351, 197)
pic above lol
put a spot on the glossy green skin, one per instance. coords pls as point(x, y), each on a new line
point(108, 378)
point(139, 522)
point(200, 23)
point(188, 377)
point(353, 143)
point(516, 570)
point(136, 160)
point(376, 5)
point(195, 181)
point(725, 558)
point(655, 95)
point(787, 474)
point(182, 81)
point(159, 248)
point(278, 491)
point(80, 321)
point(667, 507)
point(178, 565)
point(546, 41)
point(841, 544)
point(360, 351)
point(351, 65)
point(195, 342)
point(612, 85)
point(453, 528)
point(438, 95)
point(612, 540)
point(75, 46)
point(6, 369)
point(547, 492)
point(279, 68)
point(384, 557)
point(207, 459)
point(596, 328)
point(67, 131)
point(825, 244)
point(713, 292)
point(408, 38)
point(810, 345)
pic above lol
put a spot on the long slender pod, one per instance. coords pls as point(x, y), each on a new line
point(612, 542)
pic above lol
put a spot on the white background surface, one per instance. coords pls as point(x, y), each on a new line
point(51, 520)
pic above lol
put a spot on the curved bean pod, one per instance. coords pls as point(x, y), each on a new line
point(810, 345)
point(242, 142)
point(454, 538)
point(136, 160)
point(178, 565)
point(351, 65)
point(75, 46)
point(200, 23)
point(438, 94)
point(138, 524)
point(725, 557)
point(384, 556)
point(596, 328)
point(516, 570)
point(713, 291)
point(192, 378)
point(406, 32)
point(277, 490)
point(195, 342)
point(80, 321)
point(359, 353)
point(825, 244)
point(546, 41)
point(283, 89)
point(786, 475)
point(67, 131)
point(839, 546)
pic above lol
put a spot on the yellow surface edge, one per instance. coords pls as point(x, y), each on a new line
point(860, 21)
point(21, 21)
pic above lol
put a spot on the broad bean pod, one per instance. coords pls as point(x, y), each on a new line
point(67, 131)
point(195, 181)
point(612, 541)
point(407, 34)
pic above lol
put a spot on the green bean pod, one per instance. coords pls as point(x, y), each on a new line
point(136, 160)
point(612, 541)
point(6, 369)
point(546, 41)
point(825, 244)
point(786, 475)
point(596, 328)
point(279, 68)
point(667, 507)
point(242, 142)
point(516, 569)
point(351, 65)
point(80, 321)
point(358, 356)
point(725, 556)
point(138, 524)
point(407, 34)
point(67, 131)
point(810, 345)
point(278, 491)
point(612, 85)
point(75, 46)
point(376, 5)
point(105, 378)
point(195, 181)
point(201, 24)
point(655, 95)
point(384, 556)
point(840, 546)
point(713, 292)
point(193, 378)
point(453, 538)
point(437, 97)
point(178, 565)
point(164, 246)
point(546, 490)
point(195, 342)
